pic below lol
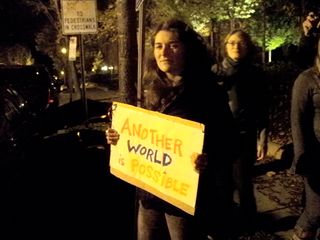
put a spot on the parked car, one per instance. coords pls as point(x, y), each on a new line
point(108, 80)
point(54, 174)
point(27, 92)
point(34, 83)
point(63, 185)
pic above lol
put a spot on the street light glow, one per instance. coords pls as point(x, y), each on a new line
point(63, 50)
point(104, 68)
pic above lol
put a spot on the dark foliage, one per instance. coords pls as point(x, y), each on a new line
point(281, 76)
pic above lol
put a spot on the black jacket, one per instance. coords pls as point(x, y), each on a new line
point(248, 96)
point(305, 122)
point(205, 102)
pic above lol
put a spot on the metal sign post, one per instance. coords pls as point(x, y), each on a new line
point(80, 17)
point(140, 8)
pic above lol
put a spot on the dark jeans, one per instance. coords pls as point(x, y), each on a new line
point(158, 225)
point(243, 175)
point(309, 221)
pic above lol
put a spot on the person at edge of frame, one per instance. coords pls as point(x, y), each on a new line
point(305, 129)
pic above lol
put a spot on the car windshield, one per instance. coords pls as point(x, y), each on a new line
point(32, 83)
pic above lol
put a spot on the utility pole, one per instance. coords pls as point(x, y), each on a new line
point(141, 40)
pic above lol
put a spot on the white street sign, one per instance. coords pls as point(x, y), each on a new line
point(79, 17)
point(138, 4)
point(72, 48)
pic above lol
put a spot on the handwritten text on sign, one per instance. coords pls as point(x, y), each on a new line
point(156, 152)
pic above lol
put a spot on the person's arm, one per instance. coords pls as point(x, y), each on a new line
point(263, 116)
point(262, 144)
point(298, 114)
point(318, 26)
point(306, 26)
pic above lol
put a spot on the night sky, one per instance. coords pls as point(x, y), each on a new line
point(17, 23)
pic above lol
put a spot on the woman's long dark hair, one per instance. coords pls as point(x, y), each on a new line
point(317, 58)
point(198, 58)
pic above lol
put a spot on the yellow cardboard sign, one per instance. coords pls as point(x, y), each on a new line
point(156, 152)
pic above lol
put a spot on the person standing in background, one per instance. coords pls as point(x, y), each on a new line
point(305, 128)
point(178, 81)
point(308, 41)
point(248, 99)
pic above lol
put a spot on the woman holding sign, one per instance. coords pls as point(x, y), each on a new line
point(178, 81)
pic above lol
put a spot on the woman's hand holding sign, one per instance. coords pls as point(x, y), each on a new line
point(201, 162)
point(112, 136)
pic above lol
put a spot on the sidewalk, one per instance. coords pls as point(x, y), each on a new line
point(279, 197)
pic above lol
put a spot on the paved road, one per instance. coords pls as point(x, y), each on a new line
point(93, 92)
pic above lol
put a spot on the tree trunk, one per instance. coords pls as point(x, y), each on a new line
point(127, 45)
point(215, 40)
point(263, 53)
